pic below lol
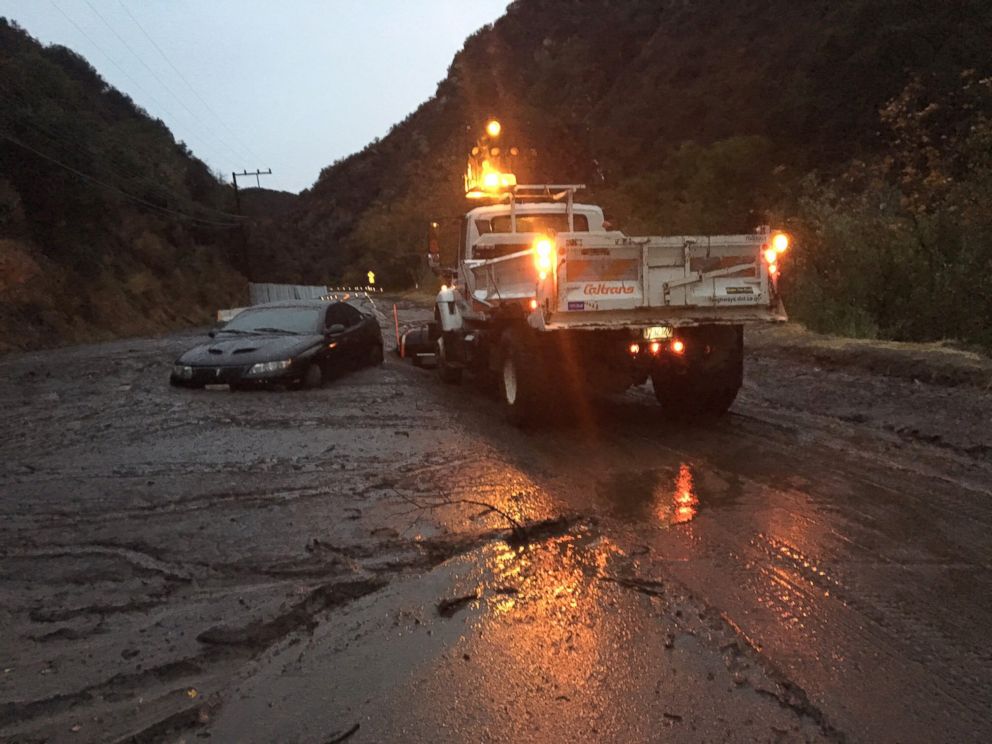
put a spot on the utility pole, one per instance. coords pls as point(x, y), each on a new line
point(237, 203)
point(256, 173)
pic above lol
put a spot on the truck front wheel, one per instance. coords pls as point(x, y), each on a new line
point(519, 375)
point(447, 373)
point(705, 385)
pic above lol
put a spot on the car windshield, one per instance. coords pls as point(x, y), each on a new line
point(289, 319)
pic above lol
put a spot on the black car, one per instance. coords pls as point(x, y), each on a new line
point(297, 343)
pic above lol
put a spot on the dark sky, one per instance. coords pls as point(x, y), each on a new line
point(290, 85)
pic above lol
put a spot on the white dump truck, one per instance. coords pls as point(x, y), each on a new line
point(557, 306)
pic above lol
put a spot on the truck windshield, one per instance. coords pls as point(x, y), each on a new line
point(557, 222)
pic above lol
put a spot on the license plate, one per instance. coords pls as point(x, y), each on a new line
point(656, 332)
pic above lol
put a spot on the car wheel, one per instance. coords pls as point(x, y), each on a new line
point(312, 378)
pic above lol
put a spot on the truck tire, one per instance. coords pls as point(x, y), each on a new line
point(448, 374)
point(706, 386)
point(519, 373)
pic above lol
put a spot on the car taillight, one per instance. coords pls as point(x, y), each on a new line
point(678, 346)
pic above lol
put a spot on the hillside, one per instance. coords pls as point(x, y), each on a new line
point(108, 226)
point(689, 115)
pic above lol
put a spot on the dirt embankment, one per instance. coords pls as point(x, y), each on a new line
point(934, 363)
point(160, 287)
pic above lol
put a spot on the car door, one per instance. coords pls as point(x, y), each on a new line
point(349, 345)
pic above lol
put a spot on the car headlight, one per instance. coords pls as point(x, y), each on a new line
point(268, 368)
point(182, 371)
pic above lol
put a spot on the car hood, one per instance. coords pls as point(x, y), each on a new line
point(229, 350)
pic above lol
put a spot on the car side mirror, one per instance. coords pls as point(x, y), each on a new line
point(212, 333)
point(334, 330)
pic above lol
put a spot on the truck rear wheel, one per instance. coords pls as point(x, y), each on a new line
point(519, 374)
point(706, 384)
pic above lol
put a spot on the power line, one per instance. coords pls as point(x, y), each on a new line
point(182, 77)
point(117, 65)
point(120, 191)
point(160, 81)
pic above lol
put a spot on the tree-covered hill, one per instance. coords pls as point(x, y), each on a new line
point(701, 115)
point(108, 226)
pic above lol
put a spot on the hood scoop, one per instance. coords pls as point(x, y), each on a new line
point(245, 350)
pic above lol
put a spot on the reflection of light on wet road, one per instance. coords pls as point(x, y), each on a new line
point(665, 496)
point(547, 610)
point(686, 501)
point(504, 486)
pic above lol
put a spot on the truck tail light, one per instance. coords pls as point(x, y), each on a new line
point(634, 349)
point(771, 252)
point(678, 346)
point(655, 347)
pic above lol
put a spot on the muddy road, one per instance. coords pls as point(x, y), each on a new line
point(384, 559)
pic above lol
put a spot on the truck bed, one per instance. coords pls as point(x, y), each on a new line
point(607, 279)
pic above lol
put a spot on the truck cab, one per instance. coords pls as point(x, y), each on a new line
point(502, 233)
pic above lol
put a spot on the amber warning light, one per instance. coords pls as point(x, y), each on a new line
point(772, 251)
point(543, 257)
point(489, 172)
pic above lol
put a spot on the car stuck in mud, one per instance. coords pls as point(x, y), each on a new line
point(299, 343)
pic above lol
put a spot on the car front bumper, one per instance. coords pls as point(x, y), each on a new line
point(236, 376)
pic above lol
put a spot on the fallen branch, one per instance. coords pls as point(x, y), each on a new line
point(519, 530)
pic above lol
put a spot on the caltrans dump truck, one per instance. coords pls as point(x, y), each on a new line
point(555, 305)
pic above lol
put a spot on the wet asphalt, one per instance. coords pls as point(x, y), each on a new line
point(385, 559)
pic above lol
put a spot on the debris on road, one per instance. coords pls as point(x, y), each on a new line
point(448, 607)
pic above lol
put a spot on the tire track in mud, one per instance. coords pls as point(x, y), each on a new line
point(229, 646)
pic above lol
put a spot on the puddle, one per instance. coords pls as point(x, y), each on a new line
point(666, 496)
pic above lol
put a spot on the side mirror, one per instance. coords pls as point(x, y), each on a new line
point(335, 329)
point(212, 333)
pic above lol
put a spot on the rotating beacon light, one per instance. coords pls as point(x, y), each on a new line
point(489, 174)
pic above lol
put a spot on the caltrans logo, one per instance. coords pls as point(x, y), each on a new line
point(606, 289)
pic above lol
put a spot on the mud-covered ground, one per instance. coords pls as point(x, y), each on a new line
point(385, 559)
